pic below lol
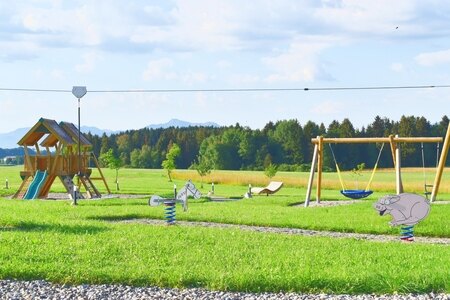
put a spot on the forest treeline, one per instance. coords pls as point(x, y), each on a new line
point(286, 144)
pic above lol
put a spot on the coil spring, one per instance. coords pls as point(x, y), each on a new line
point(407, 233)
point(169, 212)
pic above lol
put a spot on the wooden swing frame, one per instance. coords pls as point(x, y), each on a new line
point(394, 141)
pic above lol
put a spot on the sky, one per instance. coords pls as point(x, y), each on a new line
point(192, 44)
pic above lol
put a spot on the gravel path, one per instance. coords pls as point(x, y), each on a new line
point(296, 231)
point(38, 289)
point(65, 196)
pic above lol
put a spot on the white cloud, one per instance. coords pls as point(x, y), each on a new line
point(433, 58)
point(194, 24)
point(164, 69)
point(368, 17)
point(18, 50)
point(300, 63)
point(328, 108)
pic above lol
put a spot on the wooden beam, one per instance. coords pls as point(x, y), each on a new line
point(27, 158)
point(22, 185)
point(398, 169)
point(38, 151)
point(311, 175)
point(441, 166)
point(49, 159)
point(57, 156)
point(319, 169)
point(101, 173)
point(378, 140)
point(393, 147)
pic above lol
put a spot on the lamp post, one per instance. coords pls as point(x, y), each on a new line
point(78, 92)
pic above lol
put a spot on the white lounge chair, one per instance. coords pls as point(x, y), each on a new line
point(272, 188)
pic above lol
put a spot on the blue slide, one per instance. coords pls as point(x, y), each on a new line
point(36, 185)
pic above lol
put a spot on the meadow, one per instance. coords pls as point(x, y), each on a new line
point(59, 242)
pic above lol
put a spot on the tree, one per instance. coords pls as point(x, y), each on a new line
point(289, 134)
point(271, 171)
point(204, 166)
point(111, 161)
point(135, 157)
point(169, 163)
point(145, 157)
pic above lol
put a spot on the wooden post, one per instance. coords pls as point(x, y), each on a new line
point(27, 159)
point(441, 166)
point(101, 173)
point(398, 168)
point(36, 158)
point(49, 159)
point(311, 175)
point(319, 169)
point(393, 146)
point(38, 150)
point(58, 147)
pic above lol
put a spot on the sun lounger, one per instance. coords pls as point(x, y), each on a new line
point(273, 187)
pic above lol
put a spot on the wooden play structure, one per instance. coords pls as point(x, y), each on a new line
point(394, 142)
point(60, 159)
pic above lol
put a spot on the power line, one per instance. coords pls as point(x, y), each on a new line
point(35, 90)
point(235, 89)
point(272, 89)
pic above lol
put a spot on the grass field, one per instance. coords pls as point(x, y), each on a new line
point(234, 184)
point(56, 241)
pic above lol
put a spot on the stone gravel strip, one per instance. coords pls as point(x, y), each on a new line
point(296, 231)
point(39, 289)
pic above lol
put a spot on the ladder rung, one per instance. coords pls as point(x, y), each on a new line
point(427, 193)
point(429, 185)
point(95, 178)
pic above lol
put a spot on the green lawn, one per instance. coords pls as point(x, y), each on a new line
point(235, 183)
point(56, 241)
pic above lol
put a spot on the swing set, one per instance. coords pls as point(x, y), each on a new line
point(394, 142)
point(356, 194)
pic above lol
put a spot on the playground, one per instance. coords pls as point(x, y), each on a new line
point(246, 244)
point(88, 244)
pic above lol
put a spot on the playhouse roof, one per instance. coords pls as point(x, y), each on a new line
point(73, 132)
point(56, 133)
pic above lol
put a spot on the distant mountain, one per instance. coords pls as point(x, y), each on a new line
point(97, 131)
point(180, 123)
point(9, 140)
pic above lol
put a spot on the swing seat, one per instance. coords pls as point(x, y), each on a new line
point(356, 194)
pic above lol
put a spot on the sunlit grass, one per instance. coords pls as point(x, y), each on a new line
point(55, 241)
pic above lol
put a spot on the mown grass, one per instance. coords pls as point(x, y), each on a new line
point(384, 180)
point(234, 183)
point(56, 241)
point(66, 244)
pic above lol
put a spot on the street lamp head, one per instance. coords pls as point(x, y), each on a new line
point(79, 91)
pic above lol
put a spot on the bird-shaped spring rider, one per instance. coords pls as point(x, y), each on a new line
point(182, 196)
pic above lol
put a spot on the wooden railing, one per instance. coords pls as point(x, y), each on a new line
point(57, 164)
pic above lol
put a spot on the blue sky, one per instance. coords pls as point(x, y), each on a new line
point(218, 45)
